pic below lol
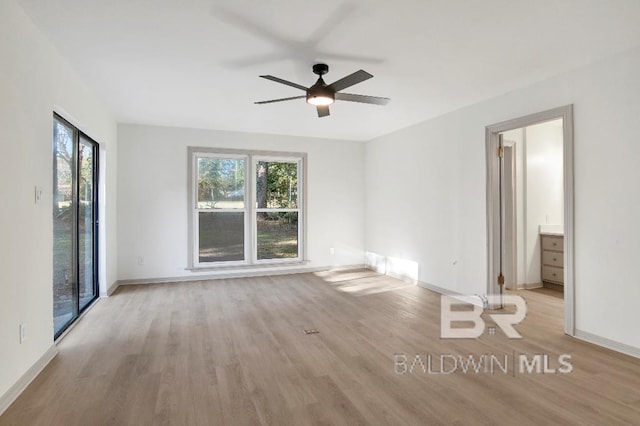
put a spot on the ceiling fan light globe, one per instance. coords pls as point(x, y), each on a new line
point(320, 100)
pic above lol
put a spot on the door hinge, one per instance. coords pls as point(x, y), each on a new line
point(500, 151)
point(500, 279)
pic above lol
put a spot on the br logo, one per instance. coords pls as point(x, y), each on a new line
point(451, 313)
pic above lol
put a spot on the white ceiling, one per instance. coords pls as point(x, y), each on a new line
point(195, 63)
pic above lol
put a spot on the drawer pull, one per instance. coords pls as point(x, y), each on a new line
point(554, 274)
point(555, 244)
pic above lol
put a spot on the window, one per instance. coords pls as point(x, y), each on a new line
point(277, 212)
point(221, 208)
point(246, 207)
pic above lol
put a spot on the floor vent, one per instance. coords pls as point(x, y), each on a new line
point(311, 331)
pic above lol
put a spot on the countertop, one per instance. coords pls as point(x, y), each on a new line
point(555, 230)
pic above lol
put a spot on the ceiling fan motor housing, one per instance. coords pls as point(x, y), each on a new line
point(320, 69)
point(320, 90)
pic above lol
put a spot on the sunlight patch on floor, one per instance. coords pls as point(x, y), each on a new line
point(362, 282)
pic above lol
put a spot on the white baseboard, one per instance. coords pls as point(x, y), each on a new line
point(14, 391)
point(607, 343)
point(347, 267)
point(435, 288)
point(474, 300)
point(529, 286)
point(401, 277)
point(237, 274)
point(113, 287)
point(439, 290)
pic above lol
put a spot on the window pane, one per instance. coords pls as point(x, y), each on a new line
point(221, 236)
point(86, 224)
point(220, 183)
point(276, 185)
point(65, 293)
point(277, 235)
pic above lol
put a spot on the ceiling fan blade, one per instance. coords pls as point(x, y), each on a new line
point(281, 81)
point(331, 22)
point(350, 80)
point(350, 58)
point(323, 110)
point(229, 16)
point(362, 98)
point(256, 60)
point(280, 100)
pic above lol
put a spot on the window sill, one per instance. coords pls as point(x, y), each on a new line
point(253, 266)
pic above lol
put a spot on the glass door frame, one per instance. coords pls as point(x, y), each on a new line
point(80, 139)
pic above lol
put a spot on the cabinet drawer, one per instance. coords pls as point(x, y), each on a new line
point(552, 243)
point(553, 258)
point(553, 274)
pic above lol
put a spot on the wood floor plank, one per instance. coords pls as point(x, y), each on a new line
point(233, 352)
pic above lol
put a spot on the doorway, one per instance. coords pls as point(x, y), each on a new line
point(530, 234)
point(75, 223)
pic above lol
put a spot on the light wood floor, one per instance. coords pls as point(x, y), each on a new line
point(234, 352)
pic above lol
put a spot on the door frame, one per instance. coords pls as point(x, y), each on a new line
point(493, 202)
point(510, 261)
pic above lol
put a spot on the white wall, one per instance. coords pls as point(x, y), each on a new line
point(35, 80)
point(425, 192)
point(545, 192)
point(152, 196)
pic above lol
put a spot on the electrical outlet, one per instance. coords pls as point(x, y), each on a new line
point(332, 251)
point(140, 260)
point(23, 332)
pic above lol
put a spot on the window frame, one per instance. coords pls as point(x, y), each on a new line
point(78, 136)
point(251, 158)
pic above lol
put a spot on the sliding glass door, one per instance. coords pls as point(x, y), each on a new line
point(75, 248)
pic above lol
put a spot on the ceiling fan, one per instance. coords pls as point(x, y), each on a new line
point(321, 94)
